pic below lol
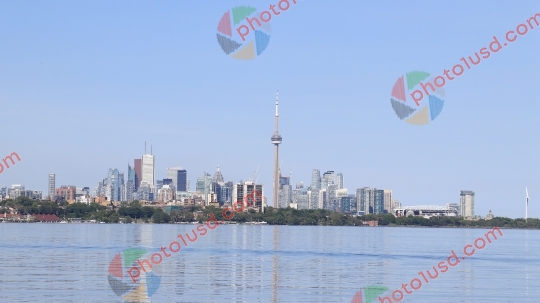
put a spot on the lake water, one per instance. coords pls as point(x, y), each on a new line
point(245, 263)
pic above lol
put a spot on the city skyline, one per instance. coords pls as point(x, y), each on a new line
point(107, 86)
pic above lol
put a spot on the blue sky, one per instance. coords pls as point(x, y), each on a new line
point(84, 84)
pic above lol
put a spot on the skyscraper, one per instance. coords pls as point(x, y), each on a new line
point(314, 189)
point(285, 192)
point(130, 185)
point(316, 179)
point(178, 176)
point(339, 181)
point(183, 182)
point(218, 177)
point(199, 186)
point(466, 200)
point(247, 189)
point(115, 185)
point(367, 200)
point(276, 140)
point(379, 201)
point(137, 163)
point(388, 201)
point(327, 179)
point(52, 184)
point(148, 169)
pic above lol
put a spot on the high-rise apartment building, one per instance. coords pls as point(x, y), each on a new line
point(66, 192)
point(388, 201)
point(379, 201)
point(367, 200)
point(316, 179)
point(346, 204)
point(241, 191)
point(374, 201)
point(300, 196)
point(148, 170)
point(327, 179)
point(322, 199)
point(331, 198)
point(466, 200)
point(52, 186)
point(115, 185)
point(285, 192)
point(314, 190)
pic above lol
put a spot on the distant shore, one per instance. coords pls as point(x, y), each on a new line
point(24, 209)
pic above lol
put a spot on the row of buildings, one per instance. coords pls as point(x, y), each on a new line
point(327, 191)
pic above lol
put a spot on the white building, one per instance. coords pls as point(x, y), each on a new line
point(148, 170)
point(466, 203)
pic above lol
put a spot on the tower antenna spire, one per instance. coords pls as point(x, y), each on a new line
point(526, 204)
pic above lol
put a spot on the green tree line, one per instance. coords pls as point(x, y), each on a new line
point(136, 212)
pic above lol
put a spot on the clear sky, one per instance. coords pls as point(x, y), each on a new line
point(83, 84)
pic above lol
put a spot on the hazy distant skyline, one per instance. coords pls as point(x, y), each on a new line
point(84, 84)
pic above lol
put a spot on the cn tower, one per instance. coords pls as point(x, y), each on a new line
point(276, 140)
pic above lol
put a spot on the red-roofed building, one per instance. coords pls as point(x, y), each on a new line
point(47, 218)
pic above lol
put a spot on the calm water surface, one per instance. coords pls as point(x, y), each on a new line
point(243, 263)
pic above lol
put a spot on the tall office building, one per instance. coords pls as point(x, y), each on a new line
point(276, 140)
point(183, 182)
point(218, 177)
point(129, 189)
point(204, 186)
point(148, 170)
point(178, 176)
point(199, 186)
point(222, 190)
point(52, 184)
point(137, 165)
point(466, 200)
point(207, 188)
point(339, 180)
